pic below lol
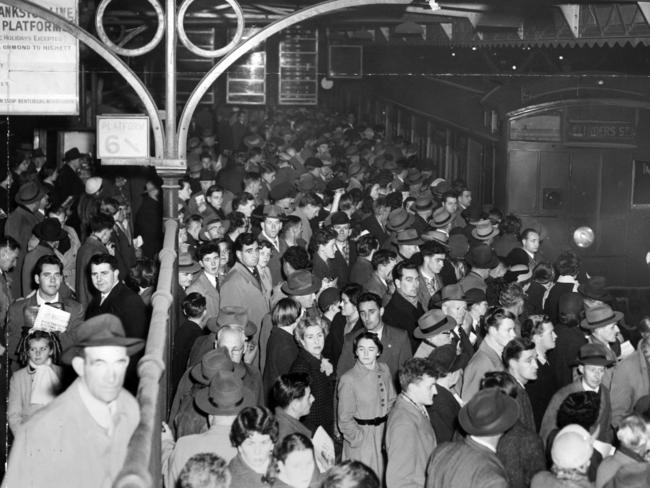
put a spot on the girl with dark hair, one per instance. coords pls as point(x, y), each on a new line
point(253, 433)
point(39, 382)
point(365, 395)
point(293, 464)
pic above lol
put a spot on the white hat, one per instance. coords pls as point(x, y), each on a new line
point(93, 185)
point(572, 447)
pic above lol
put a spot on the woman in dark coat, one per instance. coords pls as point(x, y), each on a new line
point(310, 334)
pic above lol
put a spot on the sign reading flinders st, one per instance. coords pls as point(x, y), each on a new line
point(39, 63)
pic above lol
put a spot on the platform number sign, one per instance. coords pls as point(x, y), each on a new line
point(122, 137)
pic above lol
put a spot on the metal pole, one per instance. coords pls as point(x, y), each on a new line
point(171, 146)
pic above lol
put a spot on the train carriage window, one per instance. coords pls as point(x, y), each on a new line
point(641, 184)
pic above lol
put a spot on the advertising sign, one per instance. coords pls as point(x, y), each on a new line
point(39, 63)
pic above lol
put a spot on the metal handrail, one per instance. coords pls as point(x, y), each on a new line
point(142, 468)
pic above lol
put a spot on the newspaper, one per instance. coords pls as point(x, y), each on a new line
point(51, 319)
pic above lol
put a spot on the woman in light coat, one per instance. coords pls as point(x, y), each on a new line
point(365, 396)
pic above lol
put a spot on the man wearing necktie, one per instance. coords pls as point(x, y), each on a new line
point(345, 255)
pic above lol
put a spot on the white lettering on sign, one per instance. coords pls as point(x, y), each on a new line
point(122, 137)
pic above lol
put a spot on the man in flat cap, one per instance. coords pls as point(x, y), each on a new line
point(80, 439)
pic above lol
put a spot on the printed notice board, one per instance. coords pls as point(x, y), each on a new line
point(298, 83)
point(39, 63)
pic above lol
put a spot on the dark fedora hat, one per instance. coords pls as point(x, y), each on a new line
point(102, 330)
point(38, 153)
point(446, 358)
point(399, 219)
point(270, 212)
point(600, 316)
point(474, 295)
point(300, 283)
point(339, 218)
point(452, 292)
point(282, 191)
point(72, 154)
point(211, 362)
point(594, 354)
point(424, 202)
point(432, 323)
point(29, 192)
point(484, 230)
point(224, 396)
point(49, 230)
point(595, 288)
point(408, 236)
point(482, 256)
point(440, 218)
point(489, 412)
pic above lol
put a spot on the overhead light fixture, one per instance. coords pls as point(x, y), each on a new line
point(434, 5)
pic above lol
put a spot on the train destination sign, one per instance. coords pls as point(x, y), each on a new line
point(39, 63)
point(122, 137)
point(601, 131)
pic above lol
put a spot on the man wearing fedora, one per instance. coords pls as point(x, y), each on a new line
point(453, 304)
point(423, 208)
point(68, 184)
point(410, 439)
point(80, 439)
point(473, 461)
point(271, 222)
point(447, 403)
point(48, 276)
point(484, 232)
point(397, 347)
point(403, 309)
point(221, 402)
point(592, 362)
point(601, 324)
point(434, 255)
point(408, 244)
point(49, 233)
point(481, 259)
point(19, 225)
point(434, 330)
point(346, 251)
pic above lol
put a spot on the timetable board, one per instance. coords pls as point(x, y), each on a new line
point(246, 79)
point(298, 80)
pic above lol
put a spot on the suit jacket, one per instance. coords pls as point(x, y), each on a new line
point(201, 284)
point(443, 414)
point(281, 352)
point(340, 267)
point(88, 249)
point(68, 447)
point(148, 224)
point(519, 256)
point(397, 349)
point(16, 323)
point(410, 440)
point(400, 313)
point(361, 271)
point(629, 383)
point(129, 308)
point(19, 225)
point(485, 359)
point(549, 422)
point(240, 285)
point(322, 269)
point(463, 464)
point(424, 297)
point(124, 252)
point(275, 265)
point(377, 286)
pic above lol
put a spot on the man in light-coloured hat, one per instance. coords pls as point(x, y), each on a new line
point(601, 324)
point(80, 438)
point(271, 222)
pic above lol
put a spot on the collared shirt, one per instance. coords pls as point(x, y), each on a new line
point(480, 441)
point(104, 295)
point(40, 300)
point(569, 279)
point(211, 278)
point(378, 332)
point(541, 358)
point(101, 412)
point(275, 242)
point(586, 387)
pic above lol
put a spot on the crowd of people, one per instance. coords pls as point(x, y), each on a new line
point(346, 318)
